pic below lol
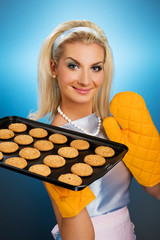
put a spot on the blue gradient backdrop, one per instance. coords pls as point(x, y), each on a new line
point(133, 32)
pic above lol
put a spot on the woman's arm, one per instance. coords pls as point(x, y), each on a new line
point(74, 228)
point(154, 191)
point(78, 227)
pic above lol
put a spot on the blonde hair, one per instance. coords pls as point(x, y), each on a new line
point(49, 93)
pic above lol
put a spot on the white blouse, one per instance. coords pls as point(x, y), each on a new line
point(112, 190)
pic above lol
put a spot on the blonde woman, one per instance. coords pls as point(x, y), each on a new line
point(75, 75)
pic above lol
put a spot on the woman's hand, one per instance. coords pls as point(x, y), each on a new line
point(132, 125)
point(69, 202)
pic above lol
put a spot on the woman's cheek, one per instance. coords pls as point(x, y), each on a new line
point(99, 80)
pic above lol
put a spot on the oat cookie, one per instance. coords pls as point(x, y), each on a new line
point(68, 152)
point(1, 155)
point(44, 145)
point(71, 179)
point(16, 162)
point(80, 144)
point(38, 132)
point(23, 139)
point(58, 138)
point(40, 169)
point(54, 161)
point(105, 151)
point(6, 134)
point(18, 127)
point(94, 160)
point(82, 169)
point(29, 153)
point(8, 147)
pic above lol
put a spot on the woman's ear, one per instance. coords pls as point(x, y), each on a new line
point(53, 67)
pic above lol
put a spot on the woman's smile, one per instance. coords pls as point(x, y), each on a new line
point(82, 90)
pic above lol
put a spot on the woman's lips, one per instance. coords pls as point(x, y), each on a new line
point(82, 90)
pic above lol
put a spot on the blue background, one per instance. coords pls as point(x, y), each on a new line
point(133, 31)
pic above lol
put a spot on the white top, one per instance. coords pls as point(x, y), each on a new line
point(112, 190)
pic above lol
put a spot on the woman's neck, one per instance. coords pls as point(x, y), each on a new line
point(73, 112)
point(76, 111)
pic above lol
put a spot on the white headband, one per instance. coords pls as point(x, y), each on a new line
point(65, 34)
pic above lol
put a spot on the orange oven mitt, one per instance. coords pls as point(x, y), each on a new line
point(132, 125)
point(69, 202)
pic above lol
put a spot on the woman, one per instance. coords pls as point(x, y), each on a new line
point(75, 74)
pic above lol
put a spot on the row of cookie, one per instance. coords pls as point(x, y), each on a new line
point(52, 161)
point(26, 139)
point(54, 138)
point(34, 132)
point(78, 170)
point(45, 145)
point(42, 169)
point(21, 127)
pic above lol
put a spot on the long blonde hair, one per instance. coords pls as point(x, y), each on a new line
point(49, 93)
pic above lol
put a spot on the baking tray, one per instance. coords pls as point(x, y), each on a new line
point(120, 151)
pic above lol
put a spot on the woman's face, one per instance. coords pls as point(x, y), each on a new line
point(80, 72)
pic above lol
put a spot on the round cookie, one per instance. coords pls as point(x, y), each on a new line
point(8, 147)
point(18, 127)
point(29, 153)
point(80, 144)
point(94, 160)
point(23, 139)
point(44, 145)
point(1, 155)
point(82, 169)
point(105, 151)
point(71, 179)
point(6, 134)
point(40, 169)
point(38, 132)
point(54, 161)
point(16, 162)
point(68, 152)
point(58, 138)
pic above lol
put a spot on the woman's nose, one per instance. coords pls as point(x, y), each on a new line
point(84, 78)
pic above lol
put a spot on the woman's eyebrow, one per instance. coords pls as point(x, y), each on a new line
point(74, 60)
point(101, 62)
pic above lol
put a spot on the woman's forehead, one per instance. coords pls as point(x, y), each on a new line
point(80, 50)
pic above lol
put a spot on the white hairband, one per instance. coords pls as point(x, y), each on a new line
point(66, 33)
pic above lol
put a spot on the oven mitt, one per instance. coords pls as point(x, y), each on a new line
point(69, 202)
point(132, 125)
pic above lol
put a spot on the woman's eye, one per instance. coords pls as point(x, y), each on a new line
point(72, 65)
point(97, 68)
